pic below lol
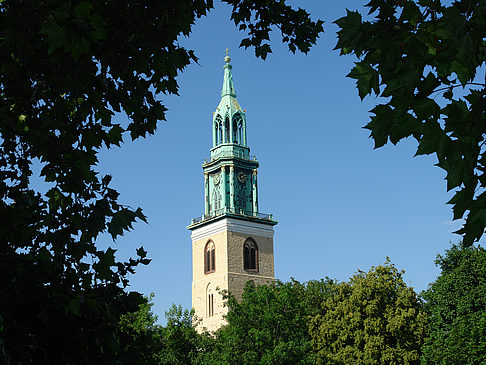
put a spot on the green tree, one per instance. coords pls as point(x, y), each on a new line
point(372, 319)
point(456, 307)
point(148, 343)
point(66, 68)
point(180, 343)
point(426, 62)
point(140, 335)
point(269, 325)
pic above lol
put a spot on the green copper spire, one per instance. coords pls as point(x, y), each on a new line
point(228, 87)
point(229, 120)
point(230, 175)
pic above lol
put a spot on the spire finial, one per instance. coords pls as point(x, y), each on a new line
point(227, 59)
point(228, 88)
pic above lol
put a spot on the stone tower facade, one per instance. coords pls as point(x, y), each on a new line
point(232, 243)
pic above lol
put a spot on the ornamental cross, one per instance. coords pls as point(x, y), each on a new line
point(227, 50)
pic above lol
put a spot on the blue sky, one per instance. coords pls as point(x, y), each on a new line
point(341, 205)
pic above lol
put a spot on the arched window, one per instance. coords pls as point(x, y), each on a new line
point(250, 255)
point(209, 301)
point(237, 129)
point(218, 125)
point(209, 258)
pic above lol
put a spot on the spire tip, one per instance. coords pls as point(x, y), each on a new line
point(227, 59)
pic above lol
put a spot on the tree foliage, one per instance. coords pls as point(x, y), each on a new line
point(140, 335)
point(269, 325)
point(372, 319)
point(148, 343)
point(67, 69)
point(181, 344)
point(257, 18)
point(426, 60)
point(456, 307)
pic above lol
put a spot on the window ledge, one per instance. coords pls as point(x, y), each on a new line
point(251, 270)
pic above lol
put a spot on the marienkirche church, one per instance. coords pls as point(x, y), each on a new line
point(232, 243)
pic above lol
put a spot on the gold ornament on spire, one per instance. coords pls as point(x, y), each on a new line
point(227, 59)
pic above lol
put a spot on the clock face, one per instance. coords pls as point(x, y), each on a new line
point(242, 177)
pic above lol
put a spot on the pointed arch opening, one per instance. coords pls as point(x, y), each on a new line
point(250, 255)
point(218, 129)
point(238, 129)
point(209, 301)
point(209, 258)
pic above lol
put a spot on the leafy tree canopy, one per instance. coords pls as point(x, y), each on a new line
point(425, 59)
point(456, 307)
point(180, 343)
point(372, 319)
point(140, 335)
point(269, 325)
point(148, 343)
point(66, 69)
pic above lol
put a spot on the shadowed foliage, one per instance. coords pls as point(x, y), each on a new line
point(66, 69)
point(456, 307)
point(425, 59)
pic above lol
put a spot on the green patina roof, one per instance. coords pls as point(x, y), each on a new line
point(230, 187)
point(228, 105)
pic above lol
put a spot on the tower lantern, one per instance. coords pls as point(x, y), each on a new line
point(232, 242)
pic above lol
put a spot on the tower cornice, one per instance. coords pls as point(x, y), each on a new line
point(261, 218)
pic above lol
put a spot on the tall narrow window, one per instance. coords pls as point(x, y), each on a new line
point(227, 130)
point(210, 305)
point(209, 258)
point(250, 255)
point(237, 129)
point(219, 129)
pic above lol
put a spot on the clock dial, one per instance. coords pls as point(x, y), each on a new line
point(242, 177)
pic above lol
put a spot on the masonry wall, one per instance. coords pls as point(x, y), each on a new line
point(237, 275)
point(204, 284)
point(229, 271)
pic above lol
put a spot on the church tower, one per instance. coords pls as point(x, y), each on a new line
point(232, 243)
